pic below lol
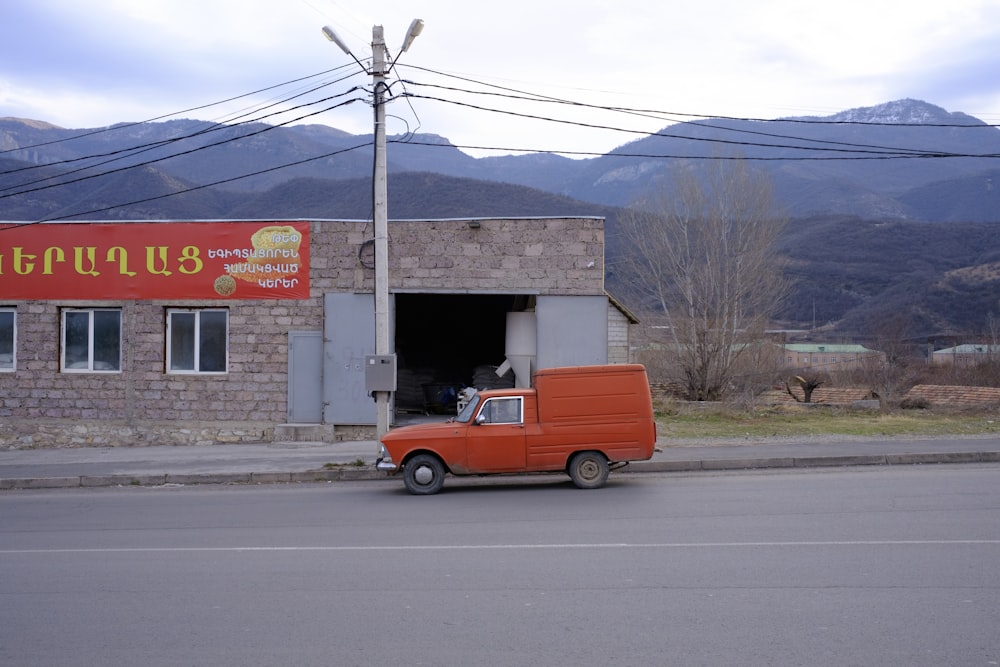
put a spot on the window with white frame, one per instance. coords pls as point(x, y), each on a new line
point(502, 411)
point(8, 340)
point(197, 341)
point(91, 340)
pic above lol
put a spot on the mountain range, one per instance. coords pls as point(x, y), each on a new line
point(893, 206)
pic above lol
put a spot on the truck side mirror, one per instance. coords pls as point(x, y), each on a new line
point(480, 419)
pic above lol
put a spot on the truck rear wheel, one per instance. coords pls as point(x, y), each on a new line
point(423, 475)
point(588, 470)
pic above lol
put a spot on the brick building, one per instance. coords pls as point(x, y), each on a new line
point(201, 332)
point(830, 357)
point(969, 354)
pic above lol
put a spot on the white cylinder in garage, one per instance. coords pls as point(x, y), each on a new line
point(521, 341)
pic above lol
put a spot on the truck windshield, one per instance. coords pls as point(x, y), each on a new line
point(470, 409)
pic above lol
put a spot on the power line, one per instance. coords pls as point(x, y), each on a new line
point(266, 128)
point(697, 157)
point(191, 189)
point(880, 152)
point(136, 150)
point(831, 149)
point(139, 148)
point(859, 148)
point(122, 126)
point(667, 114)
point(513, 94)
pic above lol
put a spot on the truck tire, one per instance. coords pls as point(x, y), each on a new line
point(423, 475)
point(588, 470)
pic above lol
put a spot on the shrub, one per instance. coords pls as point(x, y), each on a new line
point(915, 403)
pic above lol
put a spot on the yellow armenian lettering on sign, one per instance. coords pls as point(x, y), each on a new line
point(91, 257)
point(120, 255)
point(151, 258)
point(23, 263)
point(190, 260)
point(155, 260)
point(60, 256)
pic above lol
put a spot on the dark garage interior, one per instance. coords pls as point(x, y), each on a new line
point(445, 342)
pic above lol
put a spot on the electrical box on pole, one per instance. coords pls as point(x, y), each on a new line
point(380, 372)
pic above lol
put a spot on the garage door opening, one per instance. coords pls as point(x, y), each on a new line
point(445, 342)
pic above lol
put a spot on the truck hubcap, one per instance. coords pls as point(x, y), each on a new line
point(589, 469)
point(423, 475)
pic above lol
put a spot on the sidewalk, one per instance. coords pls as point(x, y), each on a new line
point(289, 462)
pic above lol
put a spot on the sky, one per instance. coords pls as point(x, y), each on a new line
point(91, 64)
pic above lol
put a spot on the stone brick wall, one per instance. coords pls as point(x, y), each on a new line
point(563, 256)
point(143, 404)
point(619, 343)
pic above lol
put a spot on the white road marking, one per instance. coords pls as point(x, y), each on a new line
point(512, 547)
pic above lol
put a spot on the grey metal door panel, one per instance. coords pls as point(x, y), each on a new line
point(572, 331)
point(349, 332)
point(305, 377)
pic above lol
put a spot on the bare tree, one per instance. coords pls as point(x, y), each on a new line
point(702, 248)
point(993, 337)
point(810, 382)
point(887, 375)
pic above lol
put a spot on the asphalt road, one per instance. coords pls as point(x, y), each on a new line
point(846, 566)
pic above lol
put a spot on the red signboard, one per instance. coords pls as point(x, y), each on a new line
point(155, 260)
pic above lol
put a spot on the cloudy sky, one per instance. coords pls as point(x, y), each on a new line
point(86, 64)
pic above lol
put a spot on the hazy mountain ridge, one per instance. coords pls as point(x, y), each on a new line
point(847, 169)
point(843, 166)
point(860, 241)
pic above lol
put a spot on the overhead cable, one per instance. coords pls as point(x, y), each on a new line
point(266, 128)
point(124, 153)
point(658, 113)
point(190, 189)
point(122, 126)
point(898, 152)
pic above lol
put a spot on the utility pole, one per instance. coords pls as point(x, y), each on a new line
point(380, 208)
point(381, 221)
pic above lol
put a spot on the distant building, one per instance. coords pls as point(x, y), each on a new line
point(965, 355)
point(829, 357)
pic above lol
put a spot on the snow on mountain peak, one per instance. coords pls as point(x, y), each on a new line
point(905, 111)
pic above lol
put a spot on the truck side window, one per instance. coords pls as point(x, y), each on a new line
point(470, 409)
point(502, 410)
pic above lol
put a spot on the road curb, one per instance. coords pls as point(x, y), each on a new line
point(359, 473)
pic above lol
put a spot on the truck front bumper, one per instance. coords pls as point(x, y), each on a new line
point(384, 462)
point(386, 465)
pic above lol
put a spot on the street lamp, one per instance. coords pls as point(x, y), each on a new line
point(379, 200)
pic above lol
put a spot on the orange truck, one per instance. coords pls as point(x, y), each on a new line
point(580, 420)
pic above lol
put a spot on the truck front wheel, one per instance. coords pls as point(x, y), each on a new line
point(588, 470)
point(423, 475)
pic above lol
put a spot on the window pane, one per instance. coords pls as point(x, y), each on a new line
point(182, 341)
point(508, 410)
point(502, 411)
point(76, 344)
point(212, 348)
point(6, 339)
point(107, 340)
